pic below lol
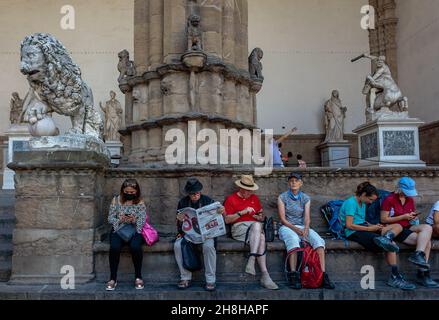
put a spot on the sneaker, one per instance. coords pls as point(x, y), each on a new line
point(111, 285)
point(327, 283)
point(400, 283)
point(210, 287)
point(138, 284)
point(425, 280)
point(387, 244)
point(295, 280)
point(418, 258)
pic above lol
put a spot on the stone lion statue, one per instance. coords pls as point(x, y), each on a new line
point(255, 65)
point(125, 66)
point(56, 86)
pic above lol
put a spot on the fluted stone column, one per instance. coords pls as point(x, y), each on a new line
point(166, 93)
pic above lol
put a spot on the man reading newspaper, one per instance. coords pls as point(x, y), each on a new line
point(200, 221)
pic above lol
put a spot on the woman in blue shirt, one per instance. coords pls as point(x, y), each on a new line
point(375, 238)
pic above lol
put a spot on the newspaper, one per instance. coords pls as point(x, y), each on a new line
point(204, 223)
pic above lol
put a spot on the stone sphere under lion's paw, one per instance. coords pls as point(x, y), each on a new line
point(44, 127)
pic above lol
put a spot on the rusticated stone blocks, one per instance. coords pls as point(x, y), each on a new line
point(59, 205)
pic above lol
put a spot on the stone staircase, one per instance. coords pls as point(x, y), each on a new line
point(7, 223)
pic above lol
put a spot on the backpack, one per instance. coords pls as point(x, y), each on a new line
point(373, 211)
point(331, 213)
point(269, 229)
point(308, 261)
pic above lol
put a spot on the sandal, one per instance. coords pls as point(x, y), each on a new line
point(139, 285)
point(111, 285)
point(184, 284)
point(210, 287)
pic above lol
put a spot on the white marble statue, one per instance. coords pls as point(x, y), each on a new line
point(56, 86)
point(113, 118)
point(335, 115)
point(383, 96)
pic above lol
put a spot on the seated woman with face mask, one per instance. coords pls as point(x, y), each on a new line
point(127, 216)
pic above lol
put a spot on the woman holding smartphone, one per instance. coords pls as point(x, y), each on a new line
point(399, 208)
point(244, 212)
point(127, 217)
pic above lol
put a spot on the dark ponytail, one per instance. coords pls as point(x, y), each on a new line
point(366, 188)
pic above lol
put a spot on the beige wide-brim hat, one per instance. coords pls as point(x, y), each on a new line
point(247, 183)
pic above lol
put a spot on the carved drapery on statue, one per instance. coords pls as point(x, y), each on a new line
point(113, 118)
point(335, 115)
point(56, 86)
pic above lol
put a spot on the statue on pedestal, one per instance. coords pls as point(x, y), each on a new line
point(383, 94)
point(16, 114)
point(55, 86)
point(335, 115)
point(113, 118)
point(194, 33)
point(255, 65)
point(125, 66)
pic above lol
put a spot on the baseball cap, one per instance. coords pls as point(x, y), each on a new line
point(408, 186)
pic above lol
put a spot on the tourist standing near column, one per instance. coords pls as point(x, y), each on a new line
point(244, 212)
point(127, 216)
point(399, 208)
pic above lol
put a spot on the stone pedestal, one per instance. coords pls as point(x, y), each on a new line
point(335, 154)
point(115, 149)
point(388, 142)
point(59, 206)
point(18, 137)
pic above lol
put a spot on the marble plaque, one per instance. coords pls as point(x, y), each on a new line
point(399, 143)
point(369, 146)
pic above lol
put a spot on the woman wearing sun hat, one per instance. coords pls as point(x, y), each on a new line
point(399, 208)
point(244, 212)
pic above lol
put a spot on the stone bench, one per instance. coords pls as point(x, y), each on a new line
point(344, 261)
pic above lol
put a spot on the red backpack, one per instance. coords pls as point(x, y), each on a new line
point(311, 274)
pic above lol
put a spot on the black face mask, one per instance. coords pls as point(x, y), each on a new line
point(129, 196)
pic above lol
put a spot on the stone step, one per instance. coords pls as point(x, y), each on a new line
point(244, 292)
point(7, 210)
point(344, 263)
point(7, 220)
point(5, 270)
point(7, 198)
point(5, 251)
point(5, 234)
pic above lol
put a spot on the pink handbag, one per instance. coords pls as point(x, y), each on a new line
point(150, 234)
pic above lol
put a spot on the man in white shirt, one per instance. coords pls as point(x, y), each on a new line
point(433, 219)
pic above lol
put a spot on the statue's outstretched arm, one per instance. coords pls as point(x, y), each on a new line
point(370, 57)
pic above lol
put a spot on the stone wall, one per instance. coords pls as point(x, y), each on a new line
point(59, 201)
point(306, 145)
point(418, 64)
point(162, 188)
point(429, 143)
